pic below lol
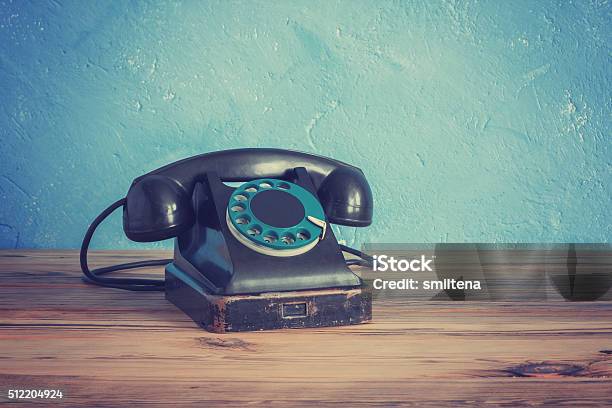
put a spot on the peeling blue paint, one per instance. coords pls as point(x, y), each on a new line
point(473, 121)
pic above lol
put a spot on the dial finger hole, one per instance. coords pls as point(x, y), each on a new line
point(251, 188)
point(283, 186)
point(288, 239)
point(265, 184)
point(254, 230)
point(303, 235)
point(270, 237)
point(240, 197)
point(237, 208)
point(244, 220)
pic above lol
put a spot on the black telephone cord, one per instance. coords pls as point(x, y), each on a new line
point(92, 276)
point(148, 285)
point(366, 260)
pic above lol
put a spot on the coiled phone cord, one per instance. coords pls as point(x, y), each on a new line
point(148, 285)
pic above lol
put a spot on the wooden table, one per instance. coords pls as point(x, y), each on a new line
point(107, 347)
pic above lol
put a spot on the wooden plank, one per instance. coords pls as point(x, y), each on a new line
point(106, 347)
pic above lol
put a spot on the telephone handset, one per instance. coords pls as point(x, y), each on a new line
point(269, 235)
point(159, 203)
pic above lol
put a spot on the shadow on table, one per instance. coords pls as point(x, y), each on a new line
point(577, 272)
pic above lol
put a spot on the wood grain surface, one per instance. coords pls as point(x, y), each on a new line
point(107, 347)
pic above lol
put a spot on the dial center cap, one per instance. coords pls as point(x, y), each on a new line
point(277, 208)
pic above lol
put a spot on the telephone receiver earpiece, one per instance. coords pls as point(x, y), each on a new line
point(157, 208)
point(346, 198)
point(159, 204)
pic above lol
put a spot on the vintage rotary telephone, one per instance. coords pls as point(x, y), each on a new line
point(258, 256)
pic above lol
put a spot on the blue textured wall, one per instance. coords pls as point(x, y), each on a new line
point(473, 121)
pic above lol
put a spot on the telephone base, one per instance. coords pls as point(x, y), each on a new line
point(267, 311)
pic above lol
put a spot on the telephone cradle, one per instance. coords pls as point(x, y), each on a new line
point(258, 255)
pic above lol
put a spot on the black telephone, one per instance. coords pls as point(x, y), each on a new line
point(253, 257)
